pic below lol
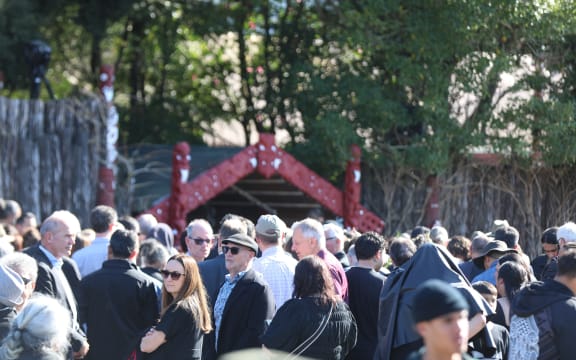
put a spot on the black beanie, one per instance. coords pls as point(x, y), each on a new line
point(435, 298)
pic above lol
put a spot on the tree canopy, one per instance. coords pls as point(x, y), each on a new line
point(418, 83)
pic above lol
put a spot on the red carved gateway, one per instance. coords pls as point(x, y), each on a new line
point(266, 159)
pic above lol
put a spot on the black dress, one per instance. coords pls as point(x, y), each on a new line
point(183, 337)
point(297, 319)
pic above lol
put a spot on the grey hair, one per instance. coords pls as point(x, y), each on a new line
point(233, 226)
point(311, 228)
point(43, 324)
point(54, 221)
point(24, 264)
point(153, 253)
point(147, 222)
point(12, 207)
point(198, 222)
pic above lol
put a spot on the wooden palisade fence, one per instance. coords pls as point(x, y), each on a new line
point(49, 154)
point(473, 195)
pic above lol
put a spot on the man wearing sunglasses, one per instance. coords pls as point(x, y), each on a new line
point(199, 239)
point(244, 302)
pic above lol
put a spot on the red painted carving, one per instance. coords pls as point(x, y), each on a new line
point(180, 172)
point(266, 159)
point(309, 182)
point(267, 155)
point(161, 211)
point(213, 181)
point(105, 194)
point(352, 187)
point(106, 78)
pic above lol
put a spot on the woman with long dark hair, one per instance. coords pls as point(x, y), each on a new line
point(511, 277)
point(315, 323)
point(185, 316)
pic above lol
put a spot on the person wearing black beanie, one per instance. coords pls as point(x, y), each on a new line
point(440, 315)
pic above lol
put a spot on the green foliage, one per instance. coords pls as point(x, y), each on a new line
point(19, 23)
point(417, 83)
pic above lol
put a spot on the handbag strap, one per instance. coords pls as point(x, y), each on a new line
point(315, 335)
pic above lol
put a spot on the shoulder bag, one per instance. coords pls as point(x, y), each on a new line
point(315, 335)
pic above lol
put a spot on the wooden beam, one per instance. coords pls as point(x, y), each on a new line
point(253, 199)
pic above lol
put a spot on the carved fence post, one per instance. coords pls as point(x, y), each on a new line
point(107, 170)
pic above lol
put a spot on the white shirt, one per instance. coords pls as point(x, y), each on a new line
point(90, 258)
point(57, 271)
point(277, 267)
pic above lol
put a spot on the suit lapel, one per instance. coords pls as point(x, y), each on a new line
point(59, 290)
point(40, 256)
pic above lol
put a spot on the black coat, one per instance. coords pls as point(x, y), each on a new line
point(245, 315)
point(118, 303)
point(47, 283)
point(213, 272)
point(298, 319)
point(396, 331)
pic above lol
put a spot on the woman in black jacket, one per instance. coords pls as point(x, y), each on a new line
point(185, 314)
point(315, 322)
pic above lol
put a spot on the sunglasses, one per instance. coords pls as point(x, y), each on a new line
point(173, 274)
point(233, 250)
point(199, 241)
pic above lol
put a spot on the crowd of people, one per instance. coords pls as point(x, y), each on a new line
point(130, 288)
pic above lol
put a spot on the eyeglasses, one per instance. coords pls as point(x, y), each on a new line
point(173, 274)
point(233, 250)
point(199, 241)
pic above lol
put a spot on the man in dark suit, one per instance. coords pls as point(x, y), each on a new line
point(118, 303)
point(244, 302)
point(213, 272)
point(56, 272)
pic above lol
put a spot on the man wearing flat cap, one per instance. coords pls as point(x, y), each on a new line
point(492, 251)
point(244, 302)
point(440, 314)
